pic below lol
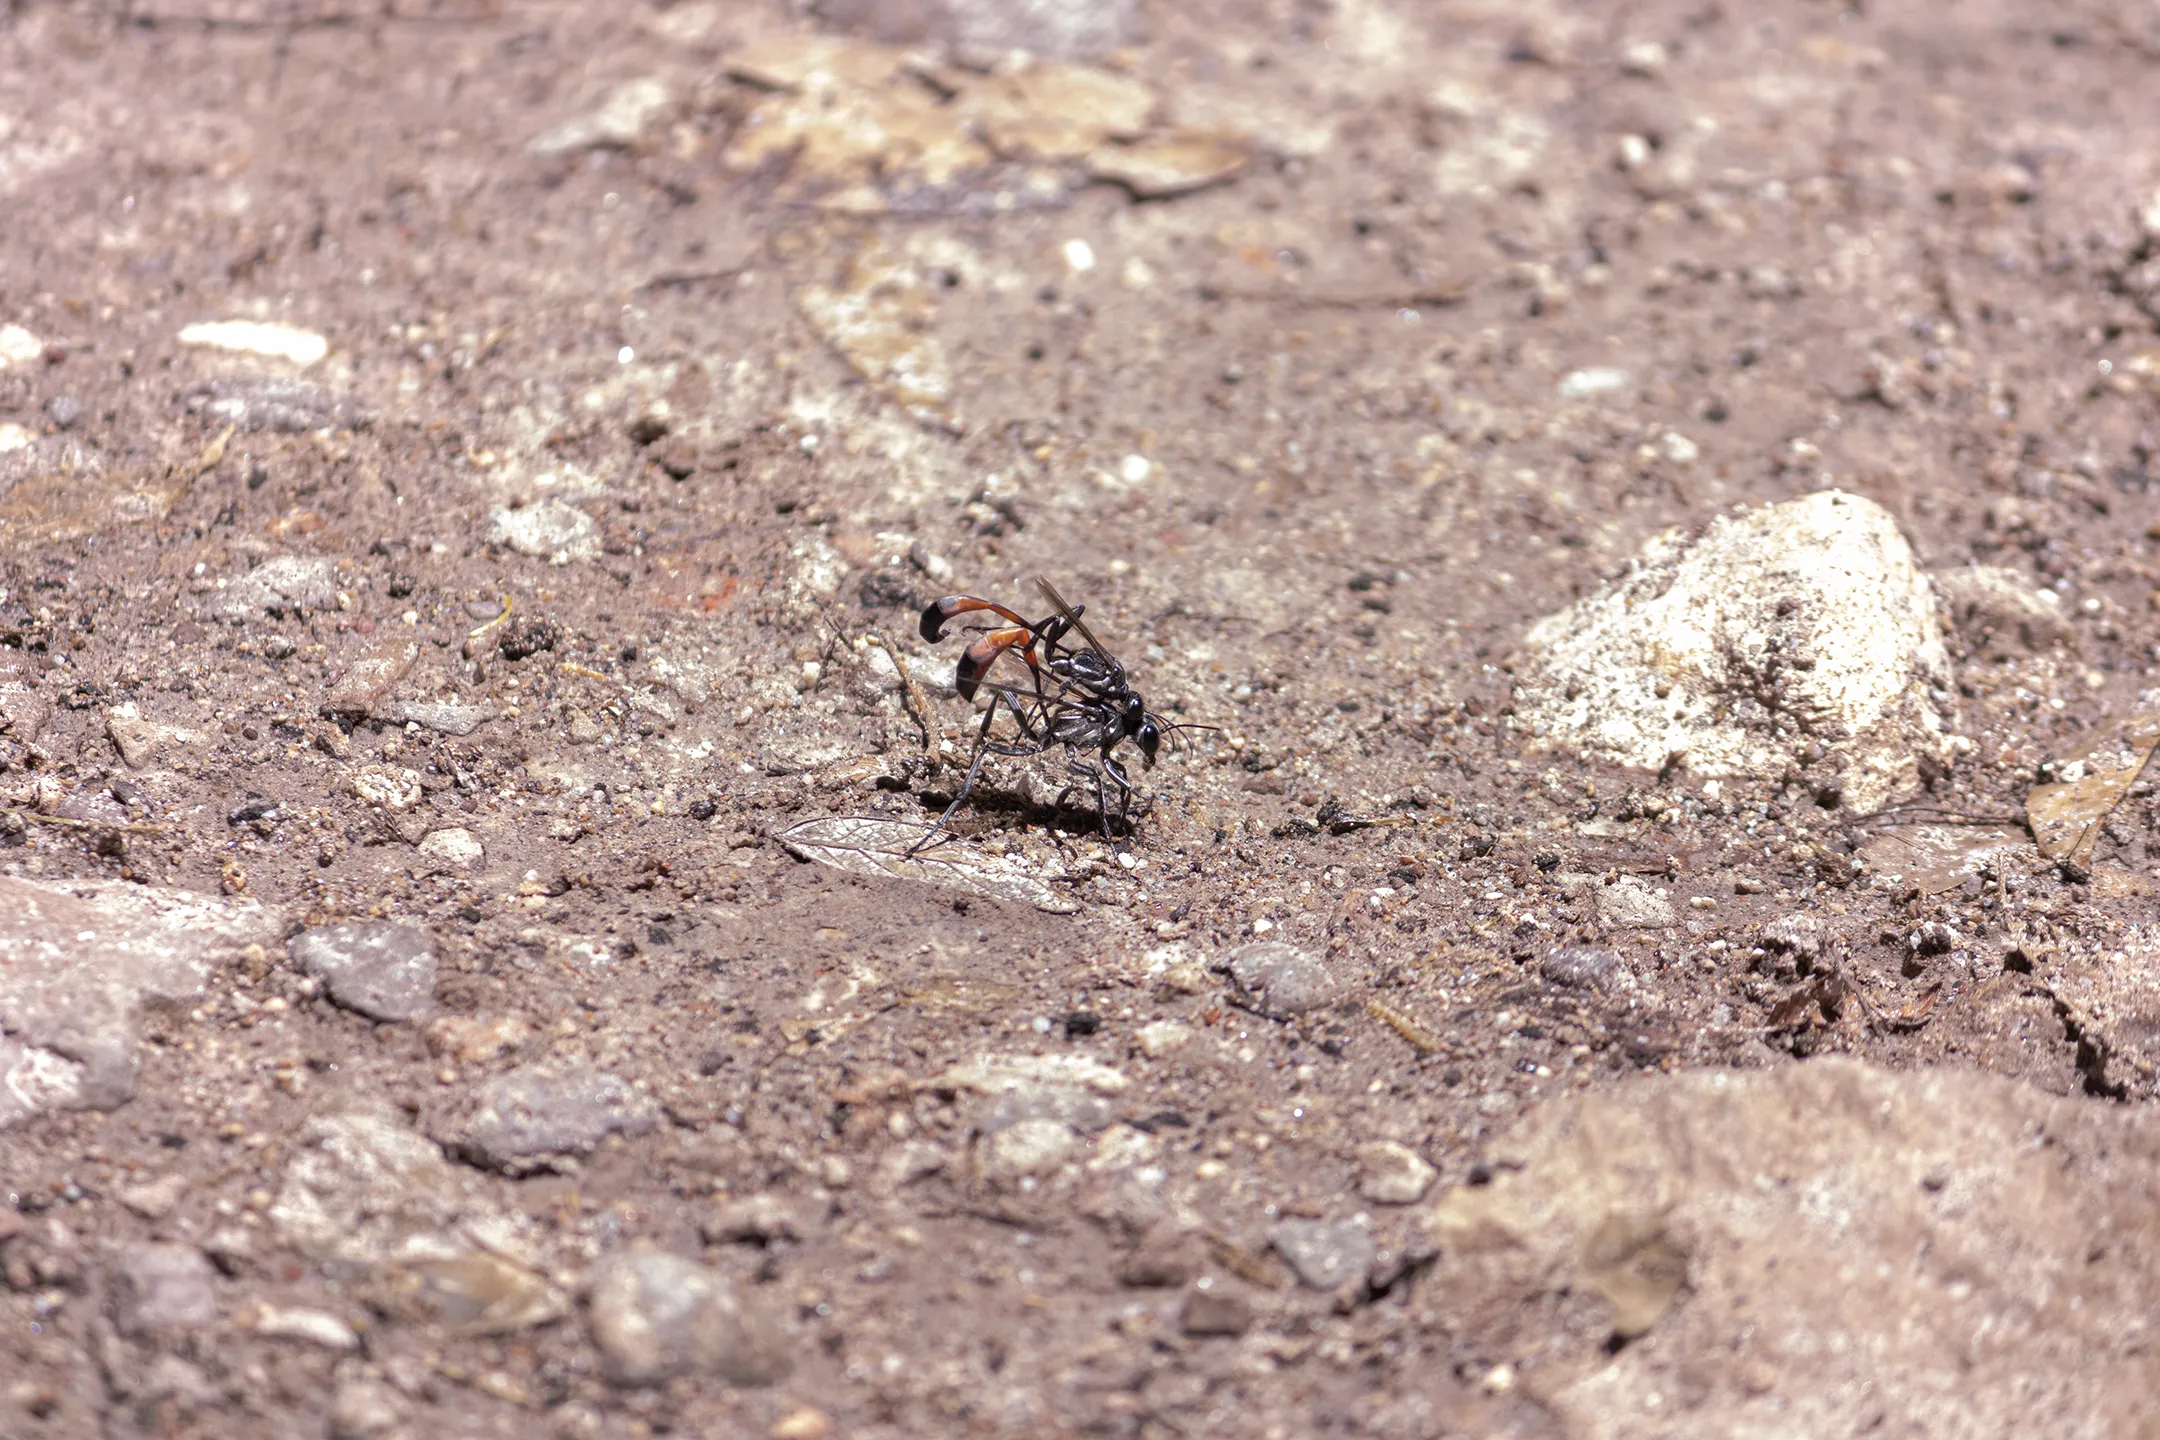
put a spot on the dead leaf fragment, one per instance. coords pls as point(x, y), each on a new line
point(81, 496)
point(2065, 816)
point(868, 845)
point(1061, 112)
point(1942, 857)
point(1163, 166)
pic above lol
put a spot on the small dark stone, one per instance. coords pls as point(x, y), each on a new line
point(886, 589)
point(647, 428)
point(659, 935)
point(528, 635)
point(629, 652)
point(1215, 1312)
point(252, 810)
point(1548, 862)
point(126, 791)
point(1082, 1022)
point(703, 809)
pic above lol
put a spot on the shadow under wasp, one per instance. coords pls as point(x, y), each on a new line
point(1078, 697)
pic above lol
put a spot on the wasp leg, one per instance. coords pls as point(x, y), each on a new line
point(1094, 776)
point(1117, 775)
point(1029, 744)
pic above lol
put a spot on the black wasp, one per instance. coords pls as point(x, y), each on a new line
point(1079, 698)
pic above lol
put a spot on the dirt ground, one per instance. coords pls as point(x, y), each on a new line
point(664, 386)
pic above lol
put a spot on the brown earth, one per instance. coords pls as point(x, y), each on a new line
point(1380, 332)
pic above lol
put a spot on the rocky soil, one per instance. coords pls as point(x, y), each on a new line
point(1647, 514)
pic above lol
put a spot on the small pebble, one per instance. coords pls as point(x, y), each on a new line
point(1214, 1311)
point(158, 1289)
point(802, 1424)
point(1280, 980)
point(655, 1316)
point(1325, 1253)
point(1392, 1174)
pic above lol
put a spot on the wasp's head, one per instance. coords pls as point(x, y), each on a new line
point(1147, 730)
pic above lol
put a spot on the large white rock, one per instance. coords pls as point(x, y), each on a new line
point(1800, 638)
point(1816, 1249)
point(79, 961)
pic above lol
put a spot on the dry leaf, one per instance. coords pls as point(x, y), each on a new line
point(2065, 816)
point(1936, 858)
point(1162, 166)
point(868, 845)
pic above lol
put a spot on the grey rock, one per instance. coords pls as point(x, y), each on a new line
point(525, 1118)
point(1803, 935)
point(1035, 1147)
point(158, 1289)
point(2002, 610)
point(447, 717)
point(359, 1181)
point(366, 682)
point(550, 530)
point(279, 584)
point(1279, 980)
point(655, 1316)
point(381, 970)
point(266, 402)
point(1215, 1311)
point(1060, 29)
point(1325, 1254)
point(1580, 967)
point(77, 963)
point(1631, 904)
point(1828, 1243)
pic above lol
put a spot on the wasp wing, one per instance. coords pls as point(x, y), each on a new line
point(1072, 618)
